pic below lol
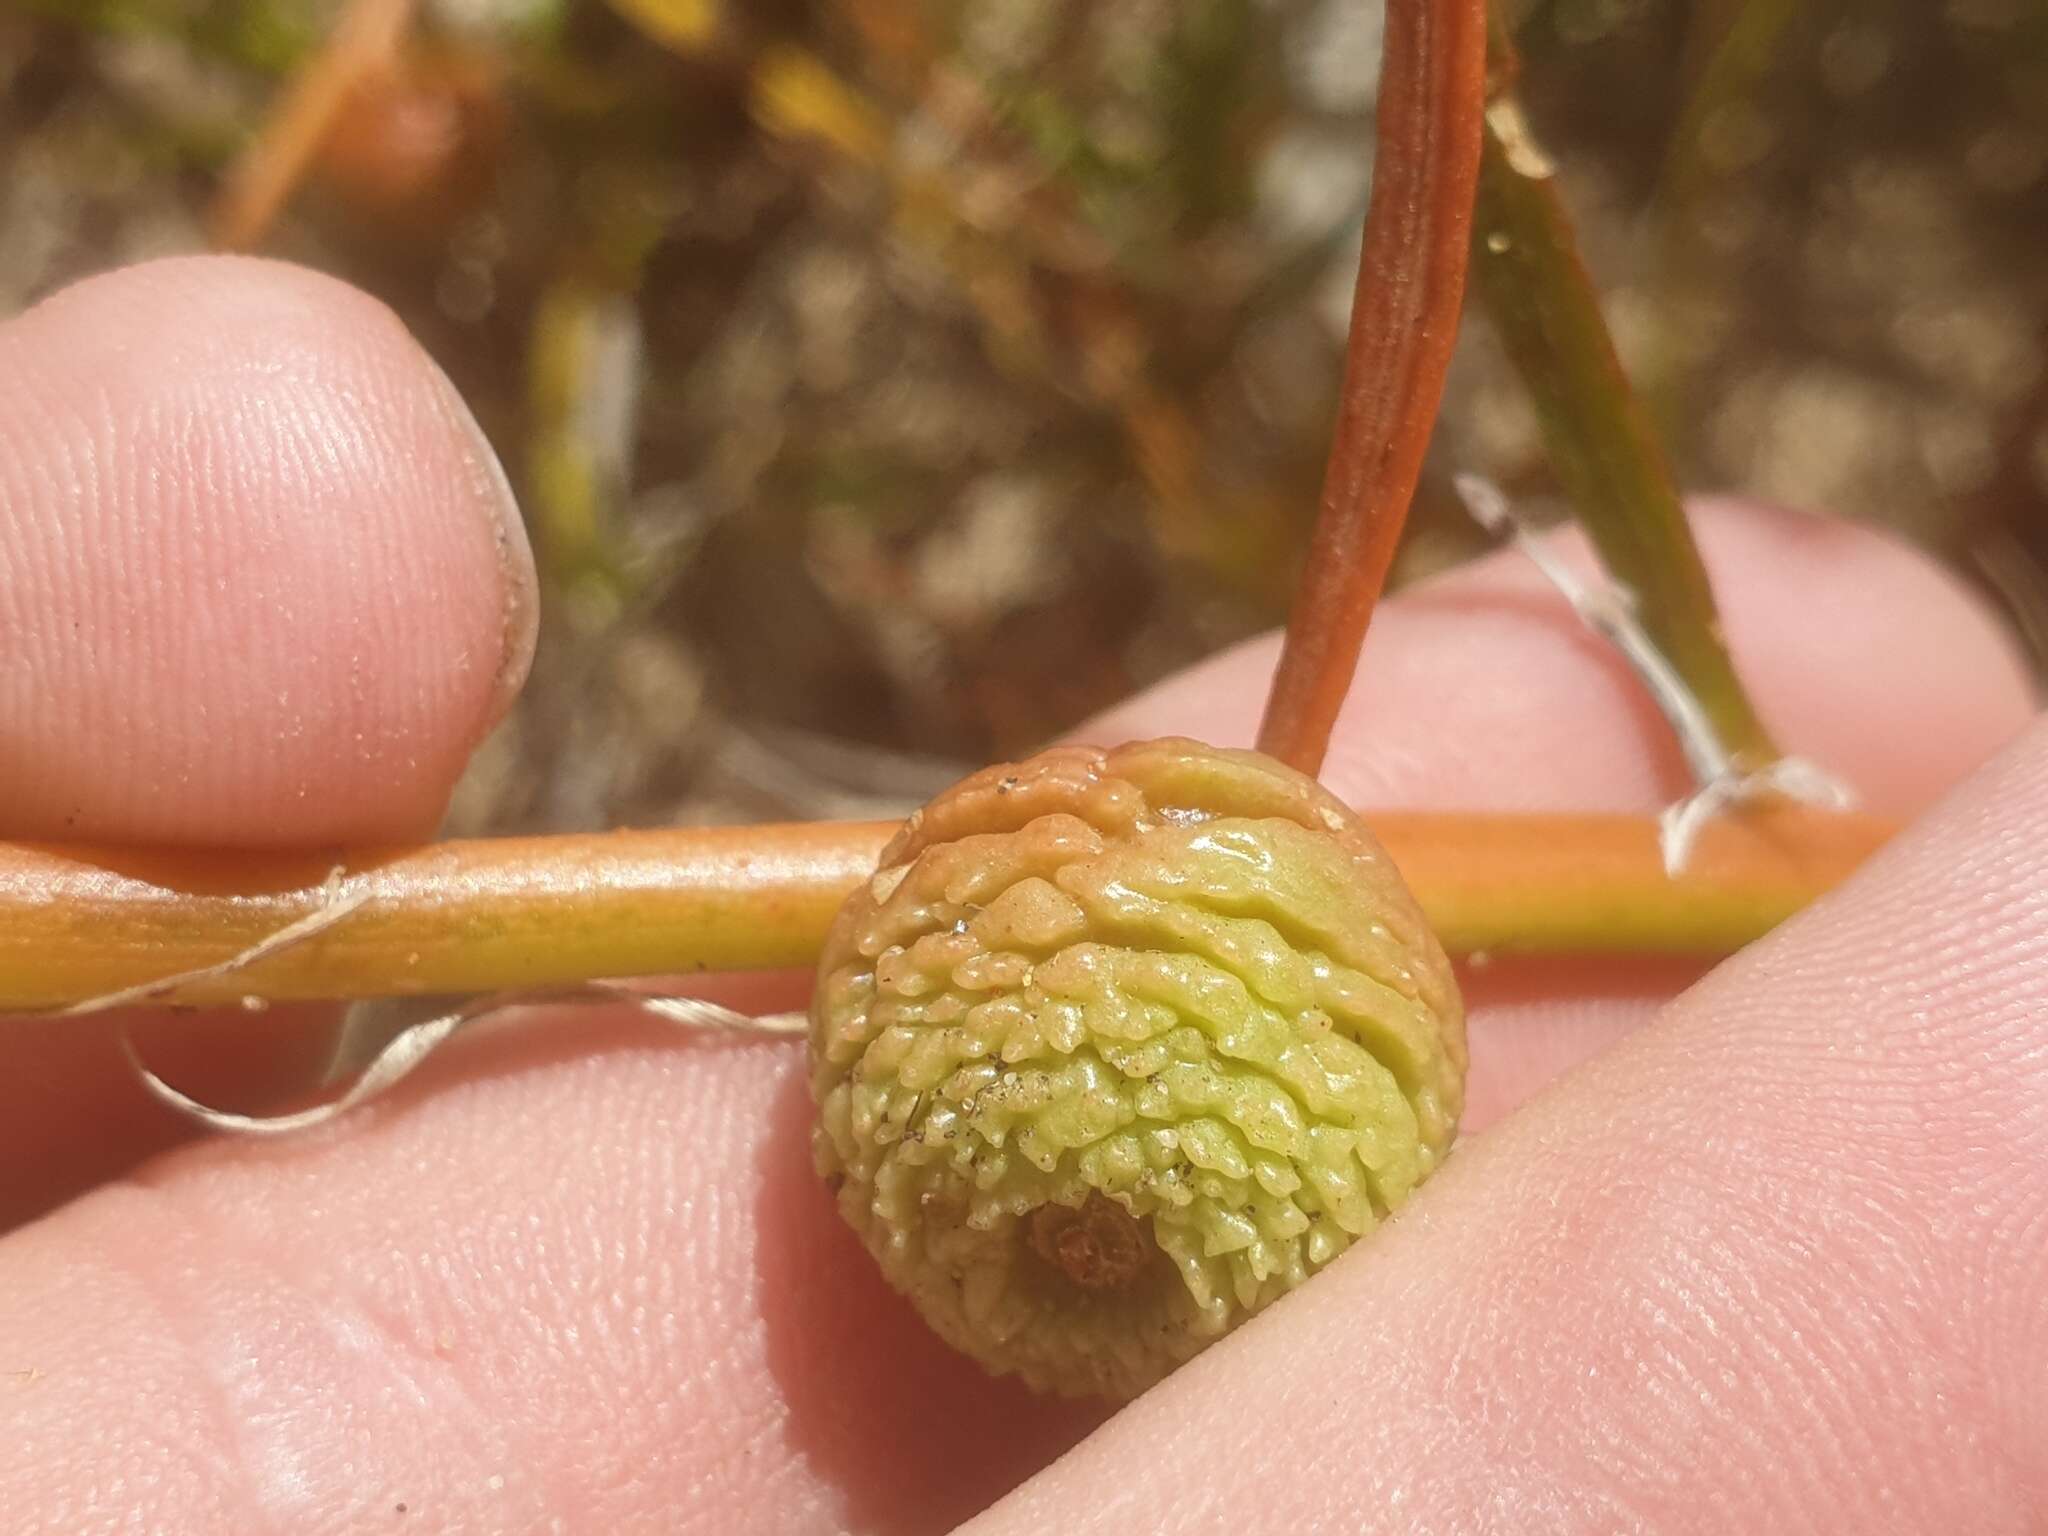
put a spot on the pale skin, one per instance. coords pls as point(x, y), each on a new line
point(1769, 1262)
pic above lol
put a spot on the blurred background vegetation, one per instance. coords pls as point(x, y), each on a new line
point(892, 383)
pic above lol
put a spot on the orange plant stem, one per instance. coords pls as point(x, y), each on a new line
point(78, 923)
point(1404, 319)
point(262, 179)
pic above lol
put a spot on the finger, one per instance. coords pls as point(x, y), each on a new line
point(261, 584)
point(582, 1271)
point(618, 1296)
point(1484, 691)
point(1843, 637)
point(1772, 1265)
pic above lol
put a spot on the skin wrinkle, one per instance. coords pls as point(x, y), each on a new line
point(354, 1313)
point(289, 1301)
point(27, 516)
point(220, 1434)
point(1671, 1372)
point(1898, 1264)
point(189, 621)
point(578, 1349)
point(2012, 1332)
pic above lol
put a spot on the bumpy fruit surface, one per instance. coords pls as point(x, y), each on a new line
point(1117, 1047)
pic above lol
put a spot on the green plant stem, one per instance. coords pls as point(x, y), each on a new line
point(1526, 266)
point(1737, 45)
point(78, 923)
point(1733, 47)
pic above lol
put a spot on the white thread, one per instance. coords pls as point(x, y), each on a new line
point(413, 1045)
point(335, 904)
point(1609, 611)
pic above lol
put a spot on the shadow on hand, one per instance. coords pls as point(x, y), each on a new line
point(916, 1437)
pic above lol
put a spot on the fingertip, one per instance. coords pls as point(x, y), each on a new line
point(272, 585)
point(519, 581)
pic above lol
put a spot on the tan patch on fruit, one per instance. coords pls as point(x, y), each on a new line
point(1099, 1247)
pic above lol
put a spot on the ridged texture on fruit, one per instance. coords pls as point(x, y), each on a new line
point(1182, 981)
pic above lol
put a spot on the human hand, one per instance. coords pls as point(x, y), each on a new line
point(1768, 1262)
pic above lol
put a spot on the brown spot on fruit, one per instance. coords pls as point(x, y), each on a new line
point(1100, 1247)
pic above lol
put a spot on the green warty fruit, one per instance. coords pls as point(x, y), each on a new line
point(1118, 1047)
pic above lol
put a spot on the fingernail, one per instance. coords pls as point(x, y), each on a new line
point(493, 493)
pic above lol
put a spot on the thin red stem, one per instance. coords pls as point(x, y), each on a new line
point(1404, 319)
